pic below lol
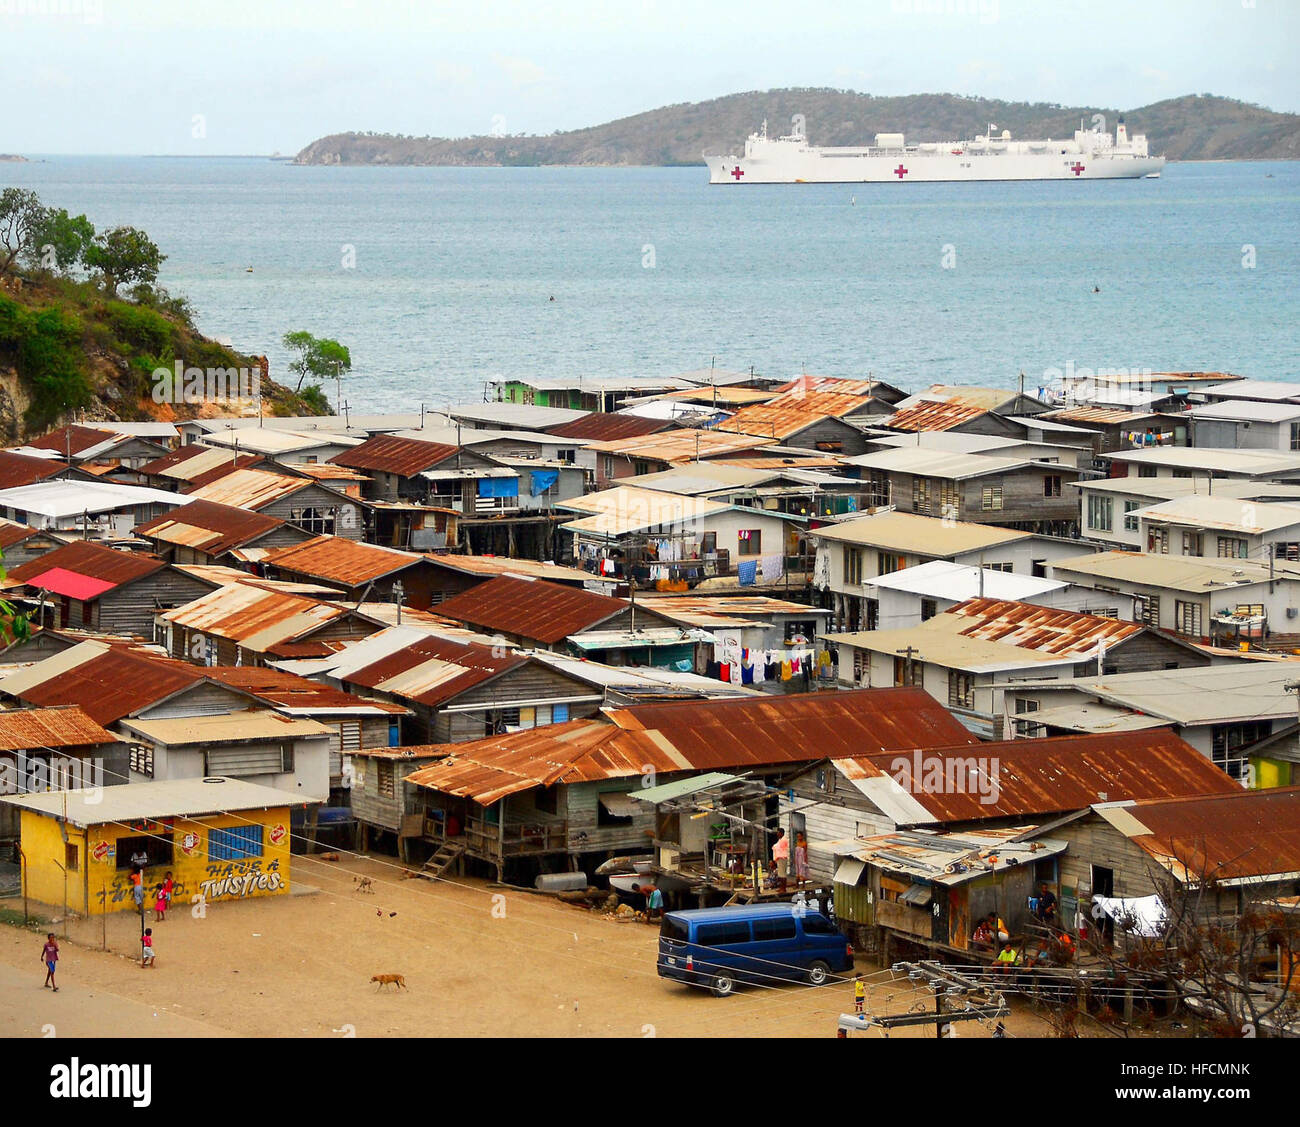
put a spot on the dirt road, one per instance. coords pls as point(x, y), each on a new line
point(477, 960)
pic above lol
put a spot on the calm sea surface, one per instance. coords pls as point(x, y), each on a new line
point(653, 271)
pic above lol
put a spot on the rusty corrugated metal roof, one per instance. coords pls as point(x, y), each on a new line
point(504, 565)
point(109, 682)
point(1104, 416)
point(85, 557)
point(186, 463)
point(837, 384)
point(338, 560)
point(75, 439)
point(23, 729)
point(577, 751)
point(12, 532)
point(1229, 836)
point(248, 489)
point(209, 527)
point(433, 670)
point(606, 426)
point(791, 412)
point(534, 609)
point(293, 693)
point(681, 445)
point(933, 415)
point(721, 734)
point(22, 469)
point(1030, 627)
point(255, 618)
point(1014, 778)
point(389, 453)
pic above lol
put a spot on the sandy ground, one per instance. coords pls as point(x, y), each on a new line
point(478, 960)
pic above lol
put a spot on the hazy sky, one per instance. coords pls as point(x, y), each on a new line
point(245, 76)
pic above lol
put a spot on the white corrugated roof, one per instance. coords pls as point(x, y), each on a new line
point(58, 499)
point(947, 580)
point(175, 798)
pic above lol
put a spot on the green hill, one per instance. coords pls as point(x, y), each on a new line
point(1194, 127)
point(65, 347)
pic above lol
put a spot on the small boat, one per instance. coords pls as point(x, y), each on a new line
point(1153, 176)
point(639, 863)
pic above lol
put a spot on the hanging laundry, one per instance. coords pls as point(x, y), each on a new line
point(724, 672)
point(747, 571)
point(746, 674)
point(773, 567)
point(785, 671)
point(760, 670)
point(713, 669)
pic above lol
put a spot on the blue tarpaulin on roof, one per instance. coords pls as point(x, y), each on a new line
point(498, 487)
point(542, 481)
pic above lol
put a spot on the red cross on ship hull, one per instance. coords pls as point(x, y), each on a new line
point(900, 171)
point(1076, 168)
point(737, 173)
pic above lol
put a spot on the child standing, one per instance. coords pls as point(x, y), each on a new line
point(50, 957)
point(859, 993)
point(160, 903)
point(146, 948)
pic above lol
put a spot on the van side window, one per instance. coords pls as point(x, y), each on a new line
point(774, 929)
point(814, 923)
point(721, 935)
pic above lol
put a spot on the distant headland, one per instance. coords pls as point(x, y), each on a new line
point(1192, 127)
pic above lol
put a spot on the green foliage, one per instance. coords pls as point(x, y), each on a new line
point(313, 397)
point(176, 306)
point(142, 327)
point(124, 255)
point(319, 358)
point(21, 214)
point(49, 360)
point(59, 240)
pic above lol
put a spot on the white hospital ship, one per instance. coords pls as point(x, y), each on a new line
point(1089, 155)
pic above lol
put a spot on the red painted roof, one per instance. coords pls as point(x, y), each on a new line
point(22, 469)
point(88, 560)
point(61, 581)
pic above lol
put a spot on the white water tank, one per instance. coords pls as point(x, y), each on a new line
point(889, 140)
point(561, 882)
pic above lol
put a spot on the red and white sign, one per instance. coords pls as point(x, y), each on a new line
point(189, 842)
point(101, 851)
point(278, 833)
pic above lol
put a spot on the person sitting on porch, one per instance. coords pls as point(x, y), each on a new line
point(1007, 958)
point(983, 934)
point(1046, 906)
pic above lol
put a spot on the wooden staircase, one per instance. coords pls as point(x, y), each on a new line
point(436, 865)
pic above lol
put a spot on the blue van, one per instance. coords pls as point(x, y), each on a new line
point(720, 947)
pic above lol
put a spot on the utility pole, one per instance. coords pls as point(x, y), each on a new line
point(908, 654)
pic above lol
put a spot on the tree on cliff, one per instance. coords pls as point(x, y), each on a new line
point(319, 358)
point(21, 215)
point(122, 255)
point(60, 240)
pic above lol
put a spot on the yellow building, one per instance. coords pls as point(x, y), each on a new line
point(221, 839)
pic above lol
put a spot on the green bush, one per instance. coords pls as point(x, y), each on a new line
point(142, 327)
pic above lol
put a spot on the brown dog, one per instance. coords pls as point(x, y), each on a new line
point(386, 979)
point(363, 884)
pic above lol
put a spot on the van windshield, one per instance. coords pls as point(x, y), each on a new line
point(675, 929)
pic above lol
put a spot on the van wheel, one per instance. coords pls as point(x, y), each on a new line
point(723, 986)
point(818, 973)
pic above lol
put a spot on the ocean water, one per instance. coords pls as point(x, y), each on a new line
point(440, 279)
